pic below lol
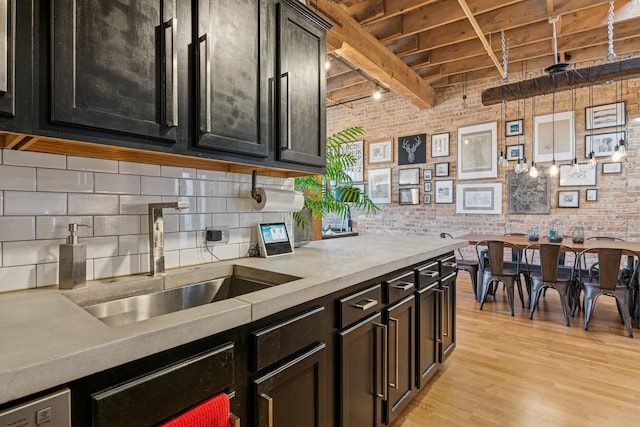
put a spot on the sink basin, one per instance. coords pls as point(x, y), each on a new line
point(134, 309)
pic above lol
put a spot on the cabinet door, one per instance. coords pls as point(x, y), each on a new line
point(302, 87)
point(362, 373)
point(294, 394)
point(401, 326)
point(448, 316)
point(428, 333)
point(115, 66)
point(232, 76)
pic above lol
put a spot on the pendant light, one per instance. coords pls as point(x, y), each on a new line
point(533, 171)
point(553, 170)
point(575, 167)
point(592, 155)
point(502, 160)
point(620, 150)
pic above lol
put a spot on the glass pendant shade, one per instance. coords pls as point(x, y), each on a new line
point(533, 171)
point(553, 170)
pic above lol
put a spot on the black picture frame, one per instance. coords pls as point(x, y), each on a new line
point(427, 199)
point(409, 176)
point(441, 169)
point(591, 195)
point(514, 127)
point(569, 199)
point(611, 168)
point(409, 196)
point(412, 149)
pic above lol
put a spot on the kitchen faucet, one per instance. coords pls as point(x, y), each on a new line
point(156, 235)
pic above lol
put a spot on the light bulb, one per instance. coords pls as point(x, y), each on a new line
point(533, 171)
point(518, 167)
point(616, 154)
point(553, 170)
point(592, 161)
point(525, 165)
point(327, 64)
point(623, 148)
point(377, 94)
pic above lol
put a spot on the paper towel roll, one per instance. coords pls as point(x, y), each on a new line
point(272, 200)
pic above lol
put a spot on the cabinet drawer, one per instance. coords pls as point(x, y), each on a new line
point(448, 264)
point(359, 305)
point(154, 397)
point(282, 339)
point(399, 287)
point(427, 274)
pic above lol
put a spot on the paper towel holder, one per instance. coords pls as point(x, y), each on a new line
point(254, 192)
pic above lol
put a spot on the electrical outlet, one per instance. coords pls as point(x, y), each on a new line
point(217, 234)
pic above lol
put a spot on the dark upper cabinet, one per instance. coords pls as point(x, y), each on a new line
point(116, 66)
point(232, 76)
point(301, 103)
point(16, 28)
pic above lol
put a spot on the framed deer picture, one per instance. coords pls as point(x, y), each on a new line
point(412, 149)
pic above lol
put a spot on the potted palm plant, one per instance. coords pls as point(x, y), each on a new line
point(333, 192)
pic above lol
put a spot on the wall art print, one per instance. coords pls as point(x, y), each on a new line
point(528, 196)
point(479, 198)
point(412, 149)
point(477, 151)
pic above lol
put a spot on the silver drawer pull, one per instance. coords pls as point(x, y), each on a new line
point(365, 304)
point(405, 286)
point(451, 264)
point(429, 273)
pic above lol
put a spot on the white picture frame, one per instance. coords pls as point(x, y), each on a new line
point(443, 191)
point(606, 115)
point(356, 149)
point(440, 145)
point(479, 198)
point(380, 185)
point(477, 151)
point(381, 151)
point(545, 146)
point(586, 177)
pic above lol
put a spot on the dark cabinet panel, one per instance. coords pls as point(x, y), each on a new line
point(233, 70)
point(401, 379)
point(116, 66)
point(428, 333)
point(362, 373)
point(448, 285)
point(302, 87)
point(294, 395)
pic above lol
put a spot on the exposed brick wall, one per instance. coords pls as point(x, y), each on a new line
point(615, 213)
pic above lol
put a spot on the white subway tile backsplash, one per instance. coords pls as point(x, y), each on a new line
point(225, 252)
point(116, 266)
point(191, 222)
point(57, 227)
point(46, 274)
point(226, 189)
point(171, 223)
point(114, 183)
point(250, 219)
point(177, 172)
point(134, 244)
point(211, 175)
point(14, 228)
point(133, 168)
point(239, 204)
point(171, 260)
point(101, 247)
point(137, 204)
point(160, 186)
point(194, 256)
point(175, 241)
point(15, 278)
point(1, 151)
point(211, 205)
point(30, 203)
point(91, 164)
point(1, 202)
point(30, 252)
point(116, 225)
point(17, 178)
point(34, 159)
point(240, 235)
point(93, 204)
point(193, 187)
point(231, 220)
point(65, 181)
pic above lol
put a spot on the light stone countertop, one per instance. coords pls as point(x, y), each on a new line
point(48, 340)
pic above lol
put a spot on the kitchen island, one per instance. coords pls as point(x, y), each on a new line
point(49, 340)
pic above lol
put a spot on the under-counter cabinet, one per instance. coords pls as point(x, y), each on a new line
point(428, 300)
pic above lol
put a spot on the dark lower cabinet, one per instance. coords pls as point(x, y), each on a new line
point(428, 333)
point(294, 394)
point(448, 288)
point(362, 352)
point(401, 328)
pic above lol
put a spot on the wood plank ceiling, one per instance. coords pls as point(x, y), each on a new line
point(412, 47)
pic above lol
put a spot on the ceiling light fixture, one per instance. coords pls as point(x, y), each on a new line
point(553, 170)
point(502, 161)
point(592, 155)
point(575, 167)
point(377, 94)
point(557, 66)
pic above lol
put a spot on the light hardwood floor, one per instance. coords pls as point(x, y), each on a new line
point(512, 371)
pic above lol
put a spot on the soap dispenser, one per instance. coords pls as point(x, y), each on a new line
point(72, 264)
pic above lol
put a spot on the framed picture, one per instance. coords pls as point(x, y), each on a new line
point(381, 151)
point(477, 151)
point(527, 195)
point(479, 198)
point(546, 146)
point(409, 196)
point(440, 145)
point(427, 199)
point(586, 176)
point(606, 116)
point(569, 199)
point(409, 176)
point(412, 149)
point(602, 144)
point(380, 185)
point(515, 152)
point(426, 174)
point(608, 168)
point(442, 169)
point(592, 195)
point(427, 187)
point(444, 191)
point(356, 149)
point(514, 127)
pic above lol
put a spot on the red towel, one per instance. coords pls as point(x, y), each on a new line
point(210, 413)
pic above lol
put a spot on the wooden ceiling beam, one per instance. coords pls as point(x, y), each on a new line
point(483, 39)
point(628, 68)
point(367, 12)
point(363, 51)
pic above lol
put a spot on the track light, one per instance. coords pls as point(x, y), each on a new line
point(378, 93)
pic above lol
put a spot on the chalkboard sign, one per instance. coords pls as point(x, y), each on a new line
point(528, 195)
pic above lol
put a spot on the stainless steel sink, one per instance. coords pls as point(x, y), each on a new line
point(133, 309)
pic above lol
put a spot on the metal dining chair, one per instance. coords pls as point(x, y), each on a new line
point(468, 265)
point(608, 281)
point(550, 275)
point(498, 271)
